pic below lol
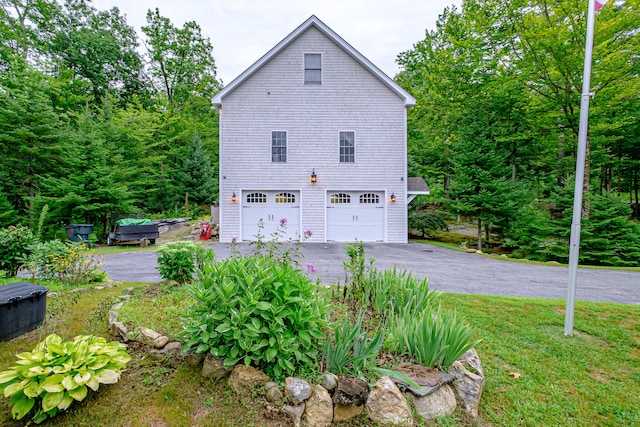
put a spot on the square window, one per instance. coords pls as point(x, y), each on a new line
point(279, 146)
point(312, 68)
point(347, 147)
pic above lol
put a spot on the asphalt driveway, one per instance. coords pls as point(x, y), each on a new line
point(446, 270)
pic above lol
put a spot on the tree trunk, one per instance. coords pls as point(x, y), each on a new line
point(446, 186)
point(479, 234)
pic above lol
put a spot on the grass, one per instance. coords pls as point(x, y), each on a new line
point(591, 378)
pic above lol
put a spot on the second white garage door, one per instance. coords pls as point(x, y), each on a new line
point(355, 215)
point(271, 207)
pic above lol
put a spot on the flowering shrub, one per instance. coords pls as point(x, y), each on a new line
point(64, 261)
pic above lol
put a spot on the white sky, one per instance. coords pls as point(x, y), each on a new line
point(241, 31)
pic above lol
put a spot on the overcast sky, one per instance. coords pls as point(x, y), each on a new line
point(241, 31)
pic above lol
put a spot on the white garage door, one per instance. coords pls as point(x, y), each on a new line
point(272, 208)
point(355, 215)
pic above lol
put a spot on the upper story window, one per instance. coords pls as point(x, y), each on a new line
point(312, 68)
point(347, 147)
point(279, 146)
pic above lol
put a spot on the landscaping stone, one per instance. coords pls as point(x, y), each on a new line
point(387, 405)
point(297, 390)
point(113, 316)
point(119, 330)
point(193, 359)
point(351, 391)
point(146, 336)
point(246, 378)
point(440, 403)
point(469, 381)
point(296, 413)
point(273, 393)
point(346, 412)
point(214, 368)
point(118, 306)
point(319, 408)
point(328, 381)
point(160, 341)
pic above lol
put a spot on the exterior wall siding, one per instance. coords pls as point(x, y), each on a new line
point(349, 99)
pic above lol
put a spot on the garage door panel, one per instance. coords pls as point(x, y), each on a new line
point(270, 208)
point(355, 215)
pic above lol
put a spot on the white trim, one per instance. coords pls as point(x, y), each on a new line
point(313, 21)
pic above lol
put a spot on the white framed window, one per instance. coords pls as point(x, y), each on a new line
point(278, 146)
point(347, 147)
point(312, 68)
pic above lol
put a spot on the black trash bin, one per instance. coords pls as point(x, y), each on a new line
point(22, 308)
point(79, 232)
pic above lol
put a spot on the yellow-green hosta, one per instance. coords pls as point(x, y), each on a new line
point(57, 373)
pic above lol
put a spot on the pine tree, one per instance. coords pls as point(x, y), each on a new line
point(197, 176)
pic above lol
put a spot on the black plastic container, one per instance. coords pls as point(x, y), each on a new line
point(79, 232)
point(22, 308)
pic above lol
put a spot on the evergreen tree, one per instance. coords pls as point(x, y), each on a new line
point(197, 176)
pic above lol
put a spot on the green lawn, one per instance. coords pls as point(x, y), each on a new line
point(535, 375)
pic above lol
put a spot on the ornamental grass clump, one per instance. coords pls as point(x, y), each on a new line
point(56, 373)
point(256, 310)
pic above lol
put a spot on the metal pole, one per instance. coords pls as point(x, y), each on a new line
point(574, 244)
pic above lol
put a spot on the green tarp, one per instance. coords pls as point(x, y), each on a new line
point(133, 221)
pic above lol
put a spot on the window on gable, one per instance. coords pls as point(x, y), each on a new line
point(279, 146)
point(347, 147)
point(312, 68)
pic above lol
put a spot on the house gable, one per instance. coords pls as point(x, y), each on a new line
point(314, 22)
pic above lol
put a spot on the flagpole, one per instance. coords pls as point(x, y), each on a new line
point(574, 243)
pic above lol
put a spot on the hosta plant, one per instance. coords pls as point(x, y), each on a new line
point(179, 260)
point(57, 373)
point(256, 310)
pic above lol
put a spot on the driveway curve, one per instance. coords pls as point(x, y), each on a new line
point(447, 270)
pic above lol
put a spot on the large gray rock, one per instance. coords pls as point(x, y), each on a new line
point(469, 381)
point(319, 408)
point(297, 390)
point(387, 405)
point(214, 368)
point(440, 403)
point(245, 378)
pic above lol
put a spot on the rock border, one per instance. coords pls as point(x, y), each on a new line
point(333, 398)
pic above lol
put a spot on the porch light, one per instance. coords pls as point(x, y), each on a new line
point(313, 176)
point(393, 198)
point(234, 198)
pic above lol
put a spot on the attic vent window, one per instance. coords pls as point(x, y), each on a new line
point(312, 68)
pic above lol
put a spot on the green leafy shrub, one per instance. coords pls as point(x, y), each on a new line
point(351, 350)
point(56, 373)
point(255, 310)
point(178, 260)
point(425, 222)
point(15, 244)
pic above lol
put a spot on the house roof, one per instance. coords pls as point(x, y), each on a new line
point(313, 21)
point(417, 186)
